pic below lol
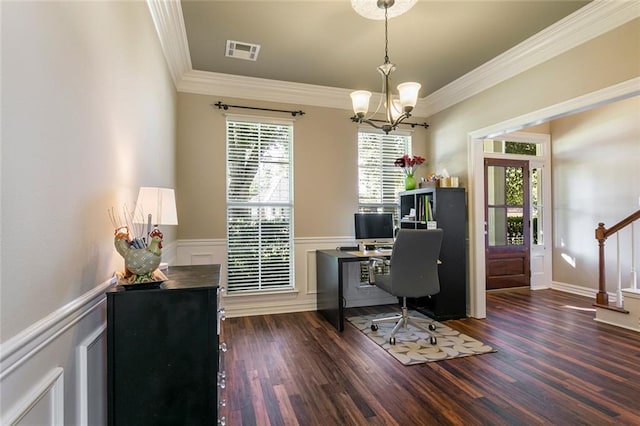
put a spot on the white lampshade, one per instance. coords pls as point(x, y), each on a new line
point(160, 203)
point(360, 100)
point(408, 94)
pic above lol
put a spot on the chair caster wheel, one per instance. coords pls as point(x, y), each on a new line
point(392, 340)
point(432, 327)
point(374, 327)
point(433, 340)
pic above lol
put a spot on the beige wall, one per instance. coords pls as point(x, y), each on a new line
point(596, 178)
point(88, 116)
point(325, 153)
point(604, 61)
point(600, 63)
point(325, 167)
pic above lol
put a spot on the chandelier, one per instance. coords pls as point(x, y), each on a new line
point(397, 110)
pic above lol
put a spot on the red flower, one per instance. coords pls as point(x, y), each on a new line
point(409, 164)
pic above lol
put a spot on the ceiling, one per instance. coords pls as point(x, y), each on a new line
point(326, 43)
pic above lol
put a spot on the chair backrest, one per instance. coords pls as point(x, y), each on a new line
point(414, 262)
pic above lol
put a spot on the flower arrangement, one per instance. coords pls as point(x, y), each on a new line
point(409, 164)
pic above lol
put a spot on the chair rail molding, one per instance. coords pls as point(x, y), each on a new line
point(33, 339)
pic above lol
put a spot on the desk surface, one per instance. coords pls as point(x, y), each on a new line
point(371, 253)
point(355, 256)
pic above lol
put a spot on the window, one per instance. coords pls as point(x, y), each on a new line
point(379, 180)
point(507, 147)
point(259, 205)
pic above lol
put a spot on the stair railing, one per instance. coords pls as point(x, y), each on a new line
point(602, 233)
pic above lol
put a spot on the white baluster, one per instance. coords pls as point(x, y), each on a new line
point(619, 300)
point(634, 277)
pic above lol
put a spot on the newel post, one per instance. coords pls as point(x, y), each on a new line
point(602, 298)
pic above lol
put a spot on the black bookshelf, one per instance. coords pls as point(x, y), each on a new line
point(448, 208)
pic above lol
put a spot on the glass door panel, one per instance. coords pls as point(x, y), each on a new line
point(507, 223)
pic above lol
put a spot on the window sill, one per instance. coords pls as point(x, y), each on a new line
point(288, 291)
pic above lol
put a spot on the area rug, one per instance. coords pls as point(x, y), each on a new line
point(412, 345)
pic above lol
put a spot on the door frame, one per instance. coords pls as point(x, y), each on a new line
point(475, 173)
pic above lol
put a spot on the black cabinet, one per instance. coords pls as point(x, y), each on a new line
point(447, 206)
point(162, 350)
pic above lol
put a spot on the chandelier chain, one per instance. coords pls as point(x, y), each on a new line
point(386, 37)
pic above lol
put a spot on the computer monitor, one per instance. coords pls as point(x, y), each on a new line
point(374, 228)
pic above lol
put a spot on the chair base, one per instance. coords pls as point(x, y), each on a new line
point(404, 320)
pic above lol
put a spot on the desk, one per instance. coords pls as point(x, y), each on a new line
point(330, 281)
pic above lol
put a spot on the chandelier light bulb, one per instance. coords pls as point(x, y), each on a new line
point(360, 100)
point(408, 95)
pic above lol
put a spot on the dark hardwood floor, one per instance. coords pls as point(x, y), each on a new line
point(554, 365)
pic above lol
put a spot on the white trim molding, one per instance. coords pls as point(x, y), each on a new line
point(588, 22)
point(48, 396)
point(477, 284)
point(169, 22)
point(85, 371)
point(33, 339)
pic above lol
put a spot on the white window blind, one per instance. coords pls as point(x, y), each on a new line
point(379, 180)
point(259, 205)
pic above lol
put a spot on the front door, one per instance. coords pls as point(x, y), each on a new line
point(507, 223)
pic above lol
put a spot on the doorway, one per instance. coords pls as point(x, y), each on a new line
point(507, 213)
point(541, 251)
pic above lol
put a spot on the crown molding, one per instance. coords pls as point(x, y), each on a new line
point(169, 22)
point(235, 86)
point(593, 20)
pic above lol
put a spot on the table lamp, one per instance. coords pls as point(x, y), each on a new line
point(157, 206)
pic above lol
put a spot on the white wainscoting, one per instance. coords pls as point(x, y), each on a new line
point(92, 375)
point(41, 368)
point(301, 298)
point(43, 405)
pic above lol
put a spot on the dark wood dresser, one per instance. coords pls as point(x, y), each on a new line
point(163, 350)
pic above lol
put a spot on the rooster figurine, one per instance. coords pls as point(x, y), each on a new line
point(139, 260)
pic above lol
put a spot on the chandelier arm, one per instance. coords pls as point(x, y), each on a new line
point(400, 119)
point(370, 122)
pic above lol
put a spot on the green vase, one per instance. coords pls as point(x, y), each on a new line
point(409, 182)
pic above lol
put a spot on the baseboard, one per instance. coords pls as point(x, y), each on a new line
point(579, 290)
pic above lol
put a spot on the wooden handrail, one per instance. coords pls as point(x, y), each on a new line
point(602, 233)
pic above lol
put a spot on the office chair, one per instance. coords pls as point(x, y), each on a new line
point(413, 272)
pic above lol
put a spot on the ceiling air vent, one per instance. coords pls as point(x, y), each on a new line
point(240, 50)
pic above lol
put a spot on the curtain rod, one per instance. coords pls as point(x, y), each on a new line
point(220, 105)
